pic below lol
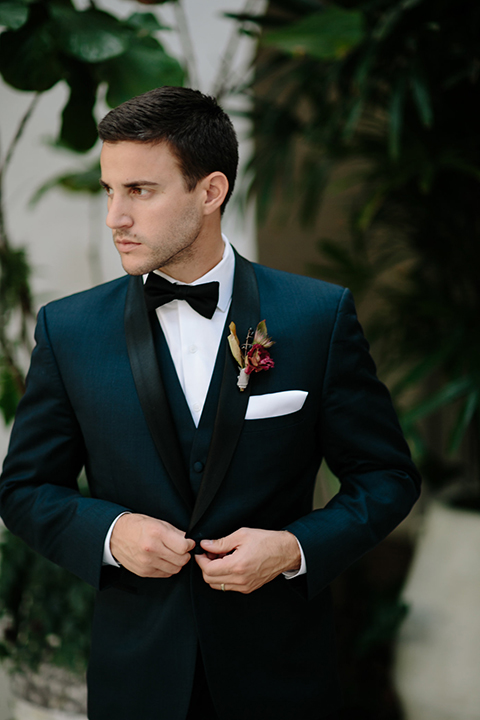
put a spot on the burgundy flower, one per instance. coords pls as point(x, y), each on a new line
point(254, 359)
point(258, 358)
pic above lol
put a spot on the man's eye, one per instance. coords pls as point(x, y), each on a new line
point(140, 192)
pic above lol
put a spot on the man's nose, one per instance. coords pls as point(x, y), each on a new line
point(117, 216)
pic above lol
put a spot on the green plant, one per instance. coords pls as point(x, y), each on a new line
point(393, 84)
point(45, 612)
point(43, 43)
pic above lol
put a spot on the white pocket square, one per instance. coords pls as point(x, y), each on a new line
point(275, 404)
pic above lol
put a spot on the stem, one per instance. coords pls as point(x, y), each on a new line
point(248, 342)
point(19, 133)
point(475, 455)
point(93, 250)
point(6, 162)
point(186, 43)
point(12, 367)
point(22, 298)
point(222, 82)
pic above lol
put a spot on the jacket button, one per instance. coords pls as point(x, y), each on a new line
point(198, 467)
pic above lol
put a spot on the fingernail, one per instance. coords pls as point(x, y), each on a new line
point(207, 542)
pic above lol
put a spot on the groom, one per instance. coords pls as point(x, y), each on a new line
point(199, 534)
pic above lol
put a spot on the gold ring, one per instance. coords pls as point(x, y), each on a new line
point(223, 587)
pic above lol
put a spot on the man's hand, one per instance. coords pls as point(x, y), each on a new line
point(248, 558)
point(149, 547)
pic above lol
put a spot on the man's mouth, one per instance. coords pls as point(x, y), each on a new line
point(125, 243)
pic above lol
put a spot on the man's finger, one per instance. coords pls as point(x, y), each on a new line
point(222, 546)
point(175, 540)
point(146, 545)
point(220, 568)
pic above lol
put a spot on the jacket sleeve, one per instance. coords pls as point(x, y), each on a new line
point(39, 496)
point(364, 446)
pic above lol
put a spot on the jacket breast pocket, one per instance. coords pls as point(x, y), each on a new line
point(274, 411)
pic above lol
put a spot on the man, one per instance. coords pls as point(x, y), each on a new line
point(211, 566)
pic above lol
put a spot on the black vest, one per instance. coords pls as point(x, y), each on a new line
point(194, 441)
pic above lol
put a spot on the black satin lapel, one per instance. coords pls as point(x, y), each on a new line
point(232, 404)
point(150, 388)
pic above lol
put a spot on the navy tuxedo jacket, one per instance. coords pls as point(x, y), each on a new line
point(98, 396)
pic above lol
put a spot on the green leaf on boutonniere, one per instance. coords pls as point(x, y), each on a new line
point(261, 335)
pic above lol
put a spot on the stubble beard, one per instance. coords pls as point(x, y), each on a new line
point(174, 254)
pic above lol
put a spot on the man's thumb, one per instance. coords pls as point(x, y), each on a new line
point(218, 546)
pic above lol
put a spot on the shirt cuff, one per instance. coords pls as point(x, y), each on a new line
point(303, 565)
point(108, 558)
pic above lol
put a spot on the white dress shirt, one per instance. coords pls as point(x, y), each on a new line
point(193, 341)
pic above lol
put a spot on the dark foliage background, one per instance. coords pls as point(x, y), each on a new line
point(390, 87)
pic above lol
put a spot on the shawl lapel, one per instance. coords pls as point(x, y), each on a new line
point(232, 404)
point(150, 388)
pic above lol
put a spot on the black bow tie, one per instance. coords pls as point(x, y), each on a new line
point(202, 298)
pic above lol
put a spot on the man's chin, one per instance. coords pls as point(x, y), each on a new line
point(135, 268)
point(134, 272)
point(131, 269)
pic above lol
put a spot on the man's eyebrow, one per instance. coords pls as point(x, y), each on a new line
point(135, 183)
point(138, 183)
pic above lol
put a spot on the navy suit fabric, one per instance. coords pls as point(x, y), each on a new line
point(267, 655)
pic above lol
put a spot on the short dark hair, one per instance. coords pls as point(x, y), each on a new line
point(198, 132)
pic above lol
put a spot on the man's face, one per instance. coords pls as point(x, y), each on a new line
point(155, 220)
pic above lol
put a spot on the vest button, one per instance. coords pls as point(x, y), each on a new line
point(198, 467)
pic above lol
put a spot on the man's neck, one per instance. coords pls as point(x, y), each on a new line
point(198, 260)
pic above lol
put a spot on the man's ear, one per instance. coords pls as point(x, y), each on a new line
point(216, 188)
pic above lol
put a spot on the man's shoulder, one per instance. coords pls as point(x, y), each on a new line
point(86, 313)
point(95, 299)
point(290, 285)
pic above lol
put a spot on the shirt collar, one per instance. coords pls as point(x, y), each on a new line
point(222, 273)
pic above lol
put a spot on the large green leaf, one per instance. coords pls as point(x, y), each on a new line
point(390, 18)
point(92, 35)
point(9, 395)
point(397, 103)
point(79, 128)
point(145, 23)
point(425, 367)
point(421, 96)
point(447, 394)
point(13, 14)
point(464, 420)
point(28, 56)
point(77, 181)
point(143, 67)
point(329, 34)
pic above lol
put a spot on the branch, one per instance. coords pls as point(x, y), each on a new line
point(7, 353)
point(186, 43)
point(6, 162)
point(19, 133)
point(10, 364)
point(222, 85)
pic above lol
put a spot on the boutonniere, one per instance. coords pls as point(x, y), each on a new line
point(253, 355)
